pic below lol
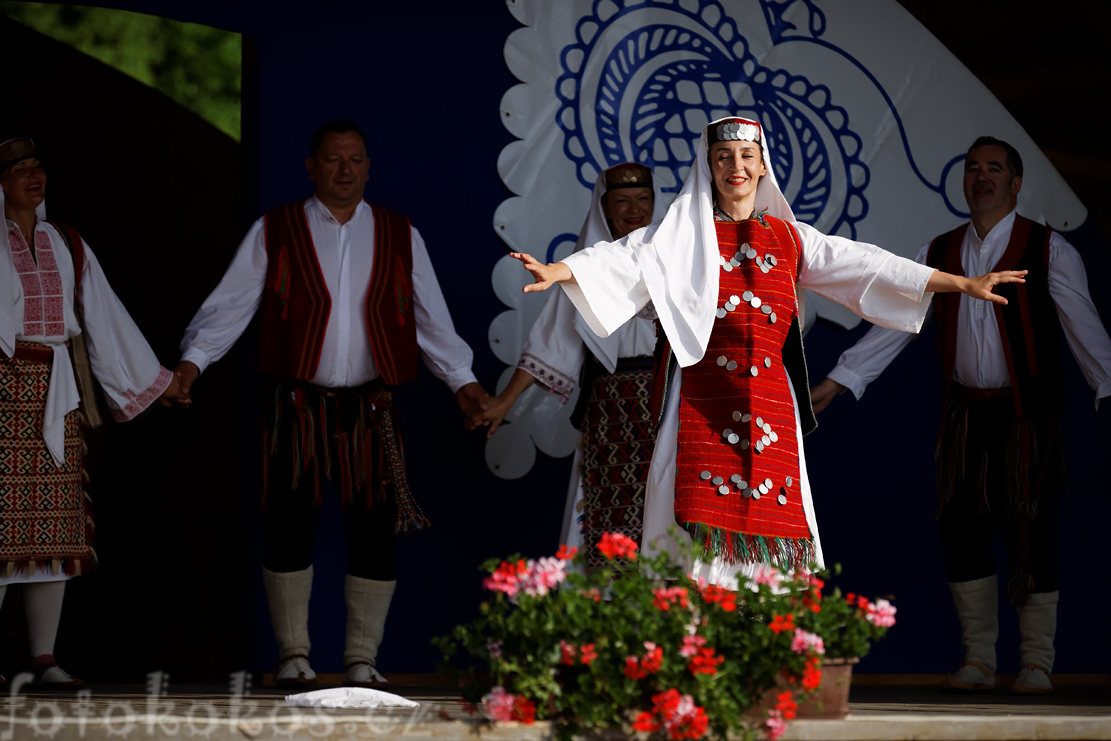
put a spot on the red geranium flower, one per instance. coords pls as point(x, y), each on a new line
point(812, 674)
point(645, 723)
point(613, 545)
point(781, 623)
point(587, 653)
point(786, 704)
point(654, 659)
point(704, 662)
point(566, 653)
point(566, 554)
point(633, 669)
point(524, 710)
point(723, 598)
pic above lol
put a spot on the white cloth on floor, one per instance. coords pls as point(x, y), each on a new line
point(349, 697)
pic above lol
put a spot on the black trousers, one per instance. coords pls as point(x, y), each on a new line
point(309, 442)
point(980, 464)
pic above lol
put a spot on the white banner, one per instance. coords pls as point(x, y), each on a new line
point(869, 117)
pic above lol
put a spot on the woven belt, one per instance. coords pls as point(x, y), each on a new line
point(33, 352)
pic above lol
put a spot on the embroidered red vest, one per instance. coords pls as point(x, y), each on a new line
point(296, 304)
point(1028, 324)
point(737, 487)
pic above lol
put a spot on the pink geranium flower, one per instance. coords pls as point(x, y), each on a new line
point(775, 724)
point(498, 704)
point(806, 642)
point(543, 575)
point(691, 644)
point(882, 613)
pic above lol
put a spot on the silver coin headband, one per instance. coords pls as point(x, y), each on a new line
point(737, 131)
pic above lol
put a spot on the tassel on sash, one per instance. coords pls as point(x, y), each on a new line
point(735, 548)
point(307, 421)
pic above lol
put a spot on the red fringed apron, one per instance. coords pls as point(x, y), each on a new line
point(737, 486)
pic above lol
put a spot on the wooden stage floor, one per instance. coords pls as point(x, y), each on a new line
point(891, 707)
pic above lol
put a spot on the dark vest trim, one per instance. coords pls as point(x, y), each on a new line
point(295, 300)
point(390, 321)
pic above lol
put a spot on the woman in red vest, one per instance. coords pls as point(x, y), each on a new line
point(723, 269)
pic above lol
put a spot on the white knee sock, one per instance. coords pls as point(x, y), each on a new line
point(977, 604)
point(368, 602)
point(43, 601)
point(288, 595)
point(1037, 625)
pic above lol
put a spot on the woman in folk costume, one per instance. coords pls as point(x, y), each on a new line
point(723, 269)
point(54, 295)
point(606, 493)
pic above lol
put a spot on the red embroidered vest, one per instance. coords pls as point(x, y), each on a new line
point(1028, 324)
point(737, 487)
point(296, 304)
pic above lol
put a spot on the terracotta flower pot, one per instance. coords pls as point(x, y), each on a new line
point(831, 700)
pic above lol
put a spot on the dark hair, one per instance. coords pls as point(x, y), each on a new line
point(335, 126)
point(1014, 159)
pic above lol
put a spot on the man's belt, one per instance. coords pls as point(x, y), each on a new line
point(968, 393)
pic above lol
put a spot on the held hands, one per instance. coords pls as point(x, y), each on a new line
point(545, 276)
point(500, 405)
point(473, 402)
point(495, 413)
point(822, 394)
point(178, 391)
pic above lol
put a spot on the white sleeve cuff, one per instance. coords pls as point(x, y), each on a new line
point(197, 358)
point(849, 380)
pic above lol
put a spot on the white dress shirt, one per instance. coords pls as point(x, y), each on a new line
point(346, 256)
point(981, 362)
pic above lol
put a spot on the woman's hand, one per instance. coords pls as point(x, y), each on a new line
point(498, 407)
point(545, 276)
point(978, 287)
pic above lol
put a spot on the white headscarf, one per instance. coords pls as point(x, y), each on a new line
point(8, 278)
point(596, 229)
point(679, 255)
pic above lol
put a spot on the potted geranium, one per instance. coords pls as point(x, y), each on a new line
point(637, 646)
point(848, 624)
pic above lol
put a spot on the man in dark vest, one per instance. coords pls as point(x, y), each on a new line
point(347, 298)
point(999, 459)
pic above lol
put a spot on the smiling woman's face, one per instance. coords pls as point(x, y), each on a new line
point(24, 185)
point(628, 209)
point(736, 168)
